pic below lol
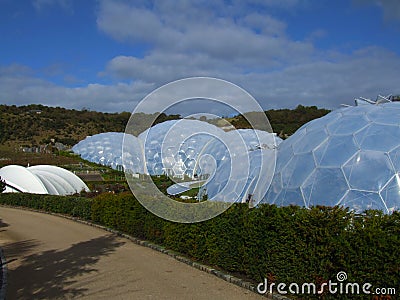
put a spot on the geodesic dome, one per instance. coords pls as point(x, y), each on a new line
point(240, 167)
point(106, 149)
point(172, 147)
point(350, 157)
point(41, 179)
point(237, 142)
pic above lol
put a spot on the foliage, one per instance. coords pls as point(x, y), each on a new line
point(74, 206)
point(2, 185)
point(284, 121)
point(283, 244)
point(36, 124)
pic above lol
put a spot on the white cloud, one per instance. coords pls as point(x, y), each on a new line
point(323, 82)
point(22, 88)
point(187, 28)
point(265, 24)
point(186, 39)
point(367, 73)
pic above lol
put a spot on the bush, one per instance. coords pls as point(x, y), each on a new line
point(283, 244)
point(2, 185)
point(71, 205)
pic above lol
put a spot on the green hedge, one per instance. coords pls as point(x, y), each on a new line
point(72, 205)
point(283, 244)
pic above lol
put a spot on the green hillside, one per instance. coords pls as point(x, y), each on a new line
point(285, 121)
point(34, 125)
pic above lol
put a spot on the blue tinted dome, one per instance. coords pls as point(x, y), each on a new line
point(350, 157)
point(172, 147)
point(240, 167)
point(106, 149)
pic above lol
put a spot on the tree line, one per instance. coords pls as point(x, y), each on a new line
point(37, 124)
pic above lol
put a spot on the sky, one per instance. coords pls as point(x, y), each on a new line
point(108, 55)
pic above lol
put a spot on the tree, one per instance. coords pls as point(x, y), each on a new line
point(2, 185)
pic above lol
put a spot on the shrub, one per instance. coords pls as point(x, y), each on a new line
point(283, 244)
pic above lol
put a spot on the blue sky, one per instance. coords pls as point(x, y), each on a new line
point(108, 55)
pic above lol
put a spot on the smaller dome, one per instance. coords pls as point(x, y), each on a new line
point(106, 149)
point(172, 147)
point(41, 179)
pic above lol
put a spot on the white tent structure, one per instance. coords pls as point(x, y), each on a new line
point(41, 179)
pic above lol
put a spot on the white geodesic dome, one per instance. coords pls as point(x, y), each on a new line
point(237, 142)
point(41, 179)
point(231, 162)
point(350, 157)
point(106, 149)
point(240, 167)
point(172, 147)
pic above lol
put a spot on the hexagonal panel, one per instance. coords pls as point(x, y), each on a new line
point(361, 200)
point(391, 194)
point(378, 137)
point(335, 151)
point(285, 154)
point(296, 137)
point(274, 189)
point(191, 153)
point(368, 170)
point(315, 125)
point(395, 158)
point(290, 197)
point(348, 124)
point(325, 186)
point(385, 116)
point(190, 163)
point(357, 110)
point(310, 141)
point(297, 170)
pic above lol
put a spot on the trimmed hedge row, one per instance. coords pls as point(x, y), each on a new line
point(283, 244)
point(72, 205)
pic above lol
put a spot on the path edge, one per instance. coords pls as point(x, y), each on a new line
point(176, 255)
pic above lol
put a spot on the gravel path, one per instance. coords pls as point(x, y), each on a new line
point(50, 257)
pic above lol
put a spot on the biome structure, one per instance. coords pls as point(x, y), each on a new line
point(350, 158)
point(190, 149)
point(41, 179)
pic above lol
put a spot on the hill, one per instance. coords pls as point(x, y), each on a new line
point(285, 121)
point(35, 125)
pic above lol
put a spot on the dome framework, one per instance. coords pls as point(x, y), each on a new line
point(350, 158)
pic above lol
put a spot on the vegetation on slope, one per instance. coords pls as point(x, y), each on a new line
point(284, 121)
point(34, 124)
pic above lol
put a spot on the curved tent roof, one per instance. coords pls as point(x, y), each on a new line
point(19, 178)
point(41, 179)
point(56, 175)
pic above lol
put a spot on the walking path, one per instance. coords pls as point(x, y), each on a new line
point(50, 257)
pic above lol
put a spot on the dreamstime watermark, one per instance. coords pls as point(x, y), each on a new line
point(338, 287)
point(200, 96)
